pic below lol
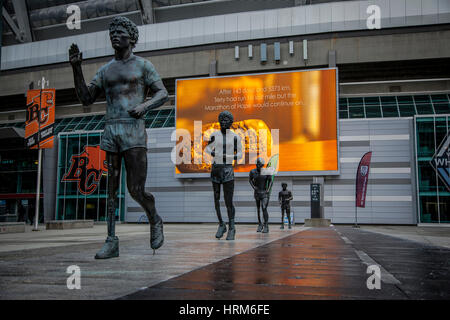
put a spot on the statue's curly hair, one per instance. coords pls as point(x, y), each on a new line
point(226, 114)
point(127, 24)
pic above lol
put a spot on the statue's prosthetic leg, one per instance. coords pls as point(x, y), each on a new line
point(264, 204)
point(136, 165)
point(258, 210)
point(228, 191)
point(111, 247)
point(288, 214)
point(222, 226)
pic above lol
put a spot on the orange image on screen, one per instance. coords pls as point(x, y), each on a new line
point(301, 105)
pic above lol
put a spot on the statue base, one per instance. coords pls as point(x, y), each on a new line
point(317, 222)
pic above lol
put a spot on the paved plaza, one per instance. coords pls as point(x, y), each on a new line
point(302, 263)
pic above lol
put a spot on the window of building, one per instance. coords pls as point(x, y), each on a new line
point(433, 194)
point(81, 195)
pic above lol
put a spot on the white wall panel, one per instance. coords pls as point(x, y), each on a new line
point(219, 28)
point(186, 28)
point(270, 23)
point(397, 12)
point(430, 11)
point(243, 26)
point(198, 31)
point(337, 16)
point(284, 18)
point(162, 35)
point(325, 17)
point(257, 24)
point(313, 19)
point(299, 20)
point(230, 27)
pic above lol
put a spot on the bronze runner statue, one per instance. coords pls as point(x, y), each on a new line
point(260, 184)
point(225, 147)
point(284, 199)
point(125, 81)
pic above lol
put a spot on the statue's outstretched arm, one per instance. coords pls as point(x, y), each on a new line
point(87, 95)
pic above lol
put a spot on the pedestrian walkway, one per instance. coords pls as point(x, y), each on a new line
point(33, 264)
point(313, 264)
point(302, 263)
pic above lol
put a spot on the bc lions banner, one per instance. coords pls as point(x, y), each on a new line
point(86, 169)
point(362, 176)
point(40, 118)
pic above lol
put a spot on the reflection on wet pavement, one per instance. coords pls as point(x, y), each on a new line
point(313, 264)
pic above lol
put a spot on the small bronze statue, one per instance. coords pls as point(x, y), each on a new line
point(261, 185)
point(225, 147)
point(125, 81)
point(284, 199)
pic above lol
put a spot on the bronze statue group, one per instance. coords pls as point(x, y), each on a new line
point(125, 81)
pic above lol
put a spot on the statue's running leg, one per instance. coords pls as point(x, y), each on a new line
point(222, 226)
point(258, 209)
point(282, 217)
point(111, 247)
point(136, 165)
point(228, 191)
point(288, 214)
point(264, 204)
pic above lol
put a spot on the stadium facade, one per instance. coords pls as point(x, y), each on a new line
point(394, 100)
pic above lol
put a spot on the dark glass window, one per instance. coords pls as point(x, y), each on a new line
point(373, 112)
point(390, 111)
point(170, 122)
point(425, 138)
point(429, 209)
point(355, 101)
point(388, 100)
point(405, 100)
point(343, 114)
point(356, 112)
point(442, 108)
point(422, 99)
point(444, 207)
point(406, 110)
point(439, 98)
point(434, 197)
point(72, 203)
point(424, 108)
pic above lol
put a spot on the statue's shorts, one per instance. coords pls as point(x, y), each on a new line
point(221, 173)
point(261, 195)
point(122, 134)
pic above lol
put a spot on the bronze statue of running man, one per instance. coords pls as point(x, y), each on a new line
point(125, 81)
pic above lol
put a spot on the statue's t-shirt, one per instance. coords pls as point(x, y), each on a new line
point(125, 84)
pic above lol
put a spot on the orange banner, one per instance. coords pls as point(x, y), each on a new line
point(40, 118)
point(298, 109)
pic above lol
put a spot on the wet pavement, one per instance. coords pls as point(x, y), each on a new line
point(33, 265)
point(422, 269)
point(319, 263)
point(302, 263)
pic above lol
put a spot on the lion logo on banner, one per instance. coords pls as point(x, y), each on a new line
point(87, 169)
point(364, 170)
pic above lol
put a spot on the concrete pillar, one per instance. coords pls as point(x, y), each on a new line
point(332, 58)
point(213, 68)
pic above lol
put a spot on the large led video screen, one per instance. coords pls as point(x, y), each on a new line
point(292, 114)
